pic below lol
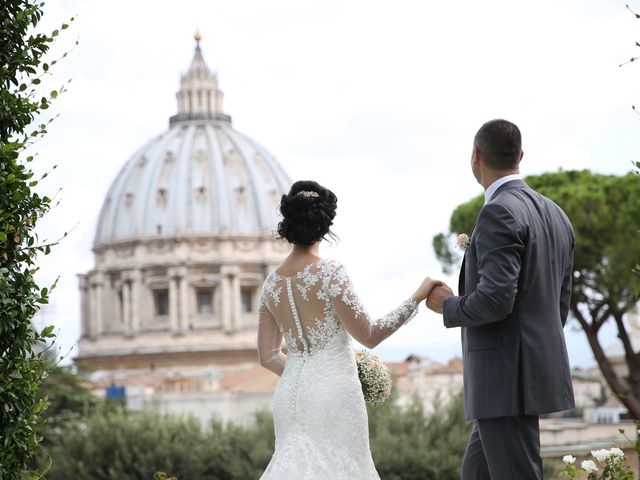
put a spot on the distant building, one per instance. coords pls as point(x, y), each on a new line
point(430, 381)
point(183, 243)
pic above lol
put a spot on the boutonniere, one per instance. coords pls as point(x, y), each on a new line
point(463, 241)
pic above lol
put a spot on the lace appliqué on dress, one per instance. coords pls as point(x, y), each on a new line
point(308, 280)
point(271, 290)
point(341, 285)
point(403, 314)
point(323, 332)
point(292, 345)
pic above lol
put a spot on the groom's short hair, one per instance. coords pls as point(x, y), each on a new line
point(500, 143)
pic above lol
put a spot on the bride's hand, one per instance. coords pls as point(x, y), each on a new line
point(425, 288)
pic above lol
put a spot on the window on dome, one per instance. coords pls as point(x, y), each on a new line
point(246, 297)
point(163, 194)
point(161, 302)
point(204, 298)
point(128, 199)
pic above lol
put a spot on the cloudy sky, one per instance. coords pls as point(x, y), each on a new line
point(378, 100)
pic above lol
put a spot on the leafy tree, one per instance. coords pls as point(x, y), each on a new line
point(67, 398)
point(116, 444)
point(23, 363)
point(604, 212)
point(111, 443)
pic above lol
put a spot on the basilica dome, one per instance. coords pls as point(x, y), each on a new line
point(199, 178)
point(182, 246)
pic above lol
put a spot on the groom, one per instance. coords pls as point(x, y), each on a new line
point(515, 285)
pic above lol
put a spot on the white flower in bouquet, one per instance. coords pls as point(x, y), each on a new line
point(569, 459)
point(589, 466)
point(374, 377)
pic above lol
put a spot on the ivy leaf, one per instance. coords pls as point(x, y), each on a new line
point(47, 332)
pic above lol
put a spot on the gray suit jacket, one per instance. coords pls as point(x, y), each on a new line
point(515, 286)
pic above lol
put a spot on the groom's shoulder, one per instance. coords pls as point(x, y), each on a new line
point(544, 199)
point(519, 200)
point(506, 199)
point(512, 201)
point(516, 194)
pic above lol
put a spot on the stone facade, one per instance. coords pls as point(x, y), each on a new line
point(173, 297)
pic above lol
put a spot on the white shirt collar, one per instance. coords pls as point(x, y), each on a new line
point(488, 193)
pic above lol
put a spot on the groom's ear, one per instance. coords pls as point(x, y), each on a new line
point(475, 156)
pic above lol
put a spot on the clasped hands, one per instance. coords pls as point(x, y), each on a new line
point(435, 300)
point(434, 292)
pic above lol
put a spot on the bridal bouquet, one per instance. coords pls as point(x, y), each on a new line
point(374, 377)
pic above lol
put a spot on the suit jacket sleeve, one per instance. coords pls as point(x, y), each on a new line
point(499, 243)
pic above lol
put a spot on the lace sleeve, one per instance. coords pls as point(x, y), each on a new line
point(269, 341)
point(355, 318)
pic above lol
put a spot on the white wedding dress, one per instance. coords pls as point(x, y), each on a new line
point(318, 408)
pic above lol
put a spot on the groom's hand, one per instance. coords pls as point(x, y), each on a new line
point(438, 295)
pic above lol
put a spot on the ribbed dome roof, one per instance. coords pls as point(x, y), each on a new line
point(201, 177)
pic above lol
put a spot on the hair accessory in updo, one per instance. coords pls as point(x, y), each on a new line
point(307, 213)
point(307, 193)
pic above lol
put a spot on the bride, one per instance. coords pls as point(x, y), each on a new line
point(318, 407)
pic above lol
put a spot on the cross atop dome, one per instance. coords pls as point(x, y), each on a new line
point(199, 97)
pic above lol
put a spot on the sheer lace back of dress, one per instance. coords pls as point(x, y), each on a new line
point(314, 306)
point(302, 306)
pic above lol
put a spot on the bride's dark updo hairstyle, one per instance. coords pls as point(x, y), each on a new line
point(308, 211)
